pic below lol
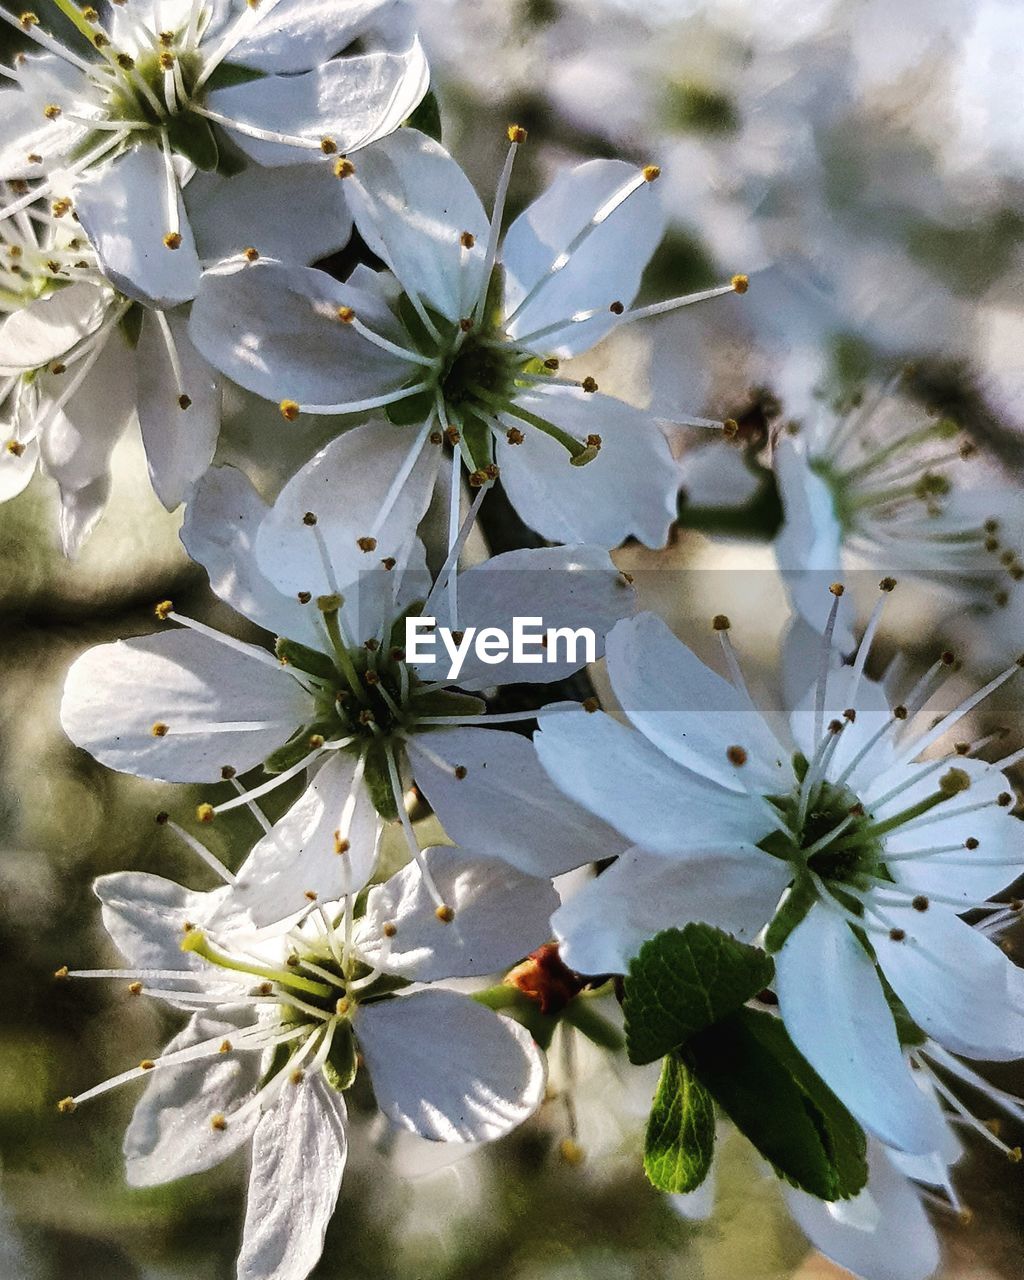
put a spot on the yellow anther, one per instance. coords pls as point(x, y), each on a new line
point(316, 741)
point(58, 367)
point(250, 254)
point(159, 730)
point(328, 146)
point(297, 1076)
point(15, 447)
point(342, 1006)
point(343, 167)
point(167, 61)
point(445, 914)
point(164, 608)
point(589, 385)
point(837, 589)
point(218, 1122)
point(514, 436)
point(60, 207)
point(920, 903)
point(652, 173)
point(730, 428)
point(346, 315)
point(147, 1064)
point(590, 705)
point(29, 20)
point(736, 756)
point(61, 973)
point(66, 1106)
point(740, 284)
point(172, 240)
point(311, 895)
point(205, 813)
point(389, 929)
point(460, 771)
point(720, 622)
point(389, 563)
point(304, 597)
point(517, 134)
point(616, 308)
point(135, 988)
point(467, 239)
point(366, 544)
point(289, 410)
point(571, 1152)
point(125, 61)
point(51, 111)
point(341, 845)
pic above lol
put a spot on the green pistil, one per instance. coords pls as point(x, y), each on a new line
point(197, 942)
point(944, 430)
point(579, 453)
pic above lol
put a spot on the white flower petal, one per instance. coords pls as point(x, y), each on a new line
point(198, 688)
point(411, 203)
point(123, 208)
point(48, 328)
point(219, 532)
point(835, 1010)
point(145, 916)
point(449, 1069)
point(80, 511)
point(955, 982)
point(274, 329)
point(566, 587)
point(299, 856)
point(25, 130)
point(296, 213)
point(345, 487)
point(629, 488)
point(965, 873)
point(505, 806)
point(605, 268)
point(607, 921)
point(883, 1234)
point(305, 33)
point(500, 916)
point(170, 1134)
point(689, 711)
point(617, 774)
point(808, 547)
point(353, 101)
point(179, 442)
point(298, 1159)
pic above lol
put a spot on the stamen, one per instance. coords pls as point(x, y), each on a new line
point(516, 137)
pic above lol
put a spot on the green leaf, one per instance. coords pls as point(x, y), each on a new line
point(427, 117)
point(680, 1131)
point(754, 1072)
point(229, 74)
point(684, 980)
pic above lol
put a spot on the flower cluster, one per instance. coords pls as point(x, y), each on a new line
point(797, 910)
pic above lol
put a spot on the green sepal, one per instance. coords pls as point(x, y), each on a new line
point(278, 1062)
point(680, 1140)
point(229, 74)
point(130, 324)
point(479, 441)
point(341, 1064)
point(682, 981)
point(383, 987)
point(298, 746)
point(303, 658)
point(230, 161)
point(377, 780)
point(193, 137)
point(396, 640)
point(442, 702)
point(910, 1034)
point(755, 1073)
point(411, 410)
point(427, 117)
point(801, 898)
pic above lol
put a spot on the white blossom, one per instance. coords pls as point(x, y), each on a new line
point(337, 698)
point(460, 340)
point(176, 86)
point(283, 1019)
point(846, 844)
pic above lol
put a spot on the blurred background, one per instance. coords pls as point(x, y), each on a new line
point(863, 162)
